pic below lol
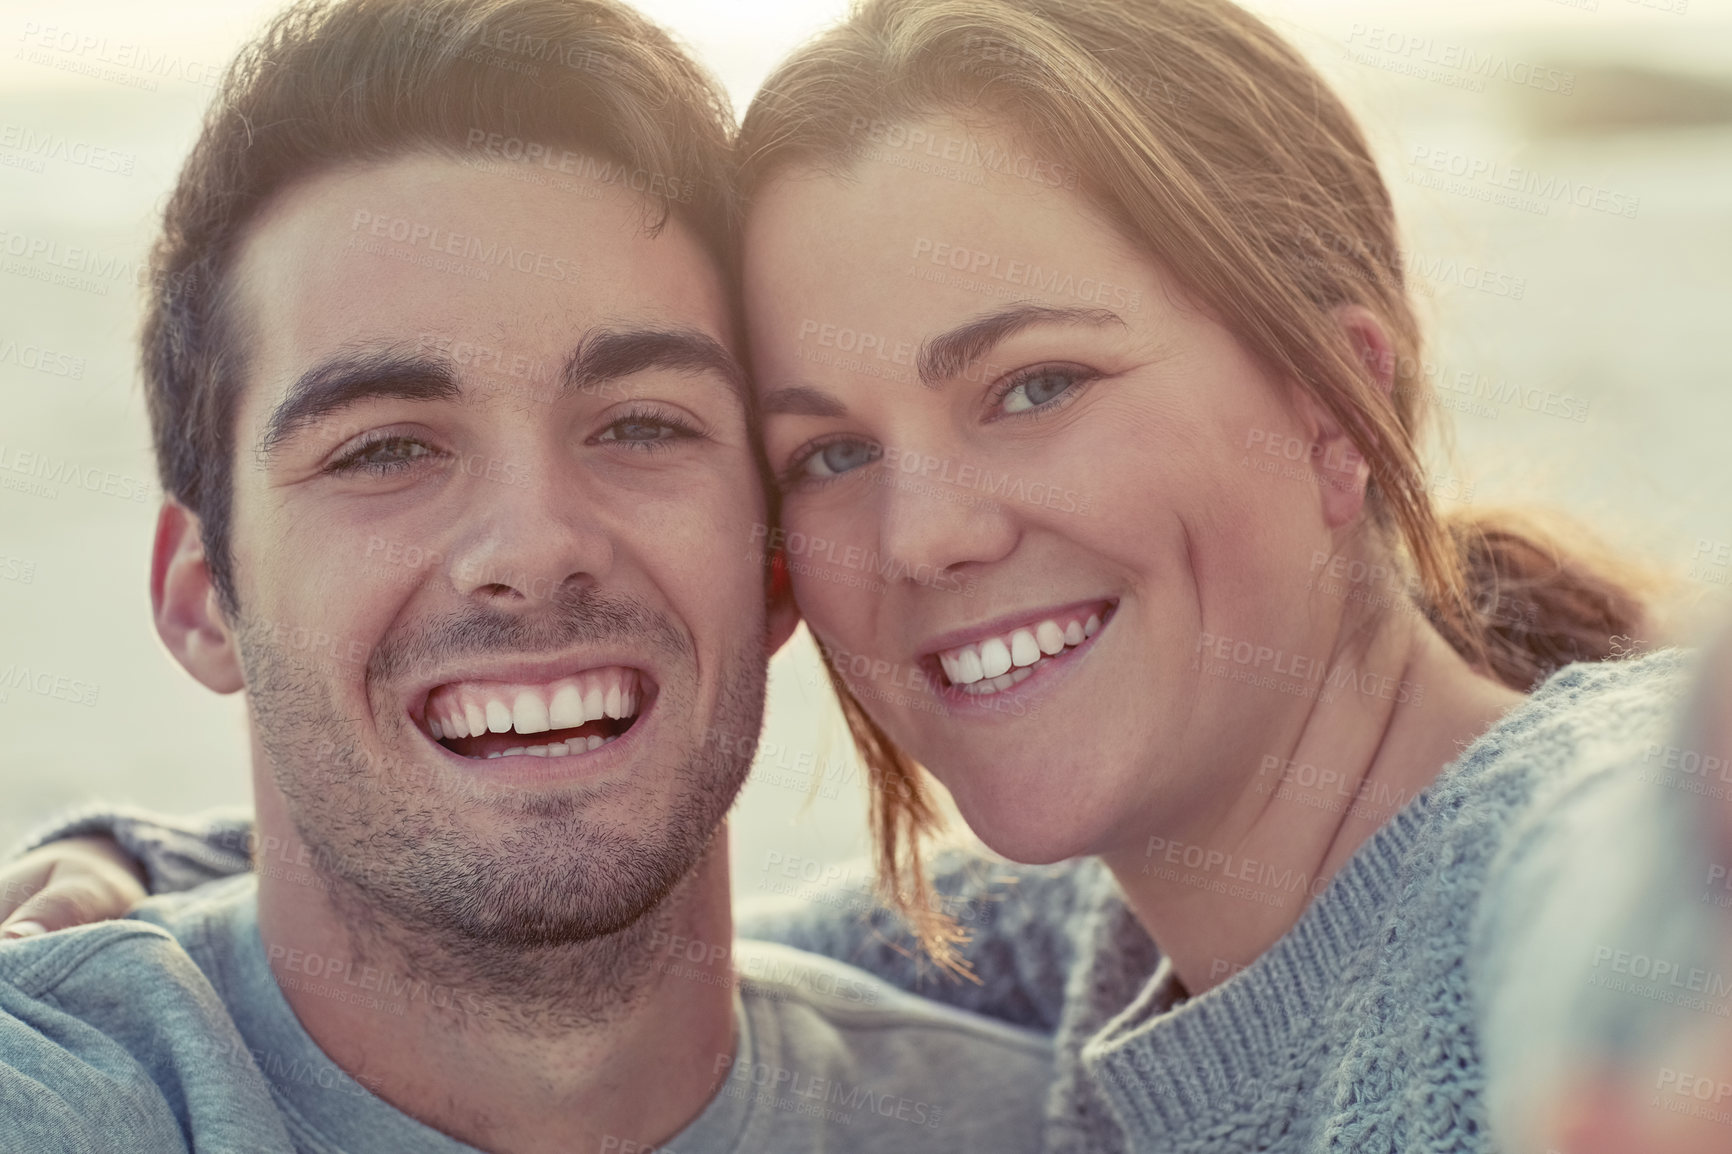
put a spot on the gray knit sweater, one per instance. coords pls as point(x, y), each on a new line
point(1360, 1030)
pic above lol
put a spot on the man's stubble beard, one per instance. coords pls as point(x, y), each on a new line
point(540, 910)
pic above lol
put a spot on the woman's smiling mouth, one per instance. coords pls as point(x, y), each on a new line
point(998, 660)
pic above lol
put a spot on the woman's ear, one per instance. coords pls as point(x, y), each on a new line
point(1341, 470)
point(1371, 343)
point(782, 617)
point(184, 603)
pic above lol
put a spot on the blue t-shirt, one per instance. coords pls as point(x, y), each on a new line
point(167, 1031)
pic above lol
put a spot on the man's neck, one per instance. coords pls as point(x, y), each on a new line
point(630, 1054)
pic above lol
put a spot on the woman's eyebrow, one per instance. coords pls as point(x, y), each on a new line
point(945, 356)
point(802, 401)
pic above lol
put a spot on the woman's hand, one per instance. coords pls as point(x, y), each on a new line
point(67, 883)
point(1680, 1100)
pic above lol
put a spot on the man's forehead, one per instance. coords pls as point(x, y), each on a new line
point(424, 250)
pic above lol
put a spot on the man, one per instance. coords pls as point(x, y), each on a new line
point(441, 368)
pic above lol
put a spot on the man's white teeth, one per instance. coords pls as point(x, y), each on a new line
point(554, 749)
point(1000, 662)
point(565, 711)
point(529, 713)
point(470, 709)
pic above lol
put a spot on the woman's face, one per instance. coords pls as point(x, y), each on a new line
point(1027, 492)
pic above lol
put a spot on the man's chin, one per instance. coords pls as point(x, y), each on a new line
point(551, 870)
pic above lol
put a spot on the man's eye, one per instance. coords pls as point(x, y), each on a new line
point(1039, 387)
point(647, 430)
point(388, 455)
point(838, 457)
point(638, 431)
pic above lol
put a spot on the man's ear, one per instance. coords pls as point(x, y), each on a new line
point(183, 600)
point(782, 617)
point(1341, 471)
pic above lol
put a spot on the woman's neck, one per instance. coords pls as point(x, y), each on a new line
point(1216, 898)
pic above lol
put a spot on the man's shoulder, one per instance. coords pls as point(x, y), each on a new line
point(831, 1037)
point(113, 1029)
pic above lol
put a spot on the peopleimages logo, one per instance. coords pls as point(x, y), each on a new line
point(464, 246)
point(36, 145)
point(60, 471)
point(813, 1088)
point(805, 547)
point(1421, 55)
point(1050, 282)
point(1498, 176)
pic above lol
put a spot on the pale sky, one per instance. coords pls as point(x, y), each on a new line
point(742, 39)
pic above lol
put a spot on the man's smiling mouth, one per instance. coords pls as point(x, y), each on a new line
point(560, 718)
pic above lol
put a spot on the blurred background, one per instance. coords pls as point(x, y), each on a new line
point(1577, 339)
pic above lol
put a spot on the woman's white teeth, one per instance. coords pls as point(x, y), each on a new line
point(1000, 662)
point(994, 684)
point(470, 709)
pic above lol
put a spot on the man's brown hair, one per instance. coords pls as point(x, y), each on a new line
point(329, 84)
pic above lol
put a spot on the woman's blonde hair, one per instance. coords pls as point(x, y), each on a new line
point(1209, 140)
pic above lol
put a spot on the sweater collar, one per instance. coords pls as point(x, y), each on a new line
point(1165, 1063)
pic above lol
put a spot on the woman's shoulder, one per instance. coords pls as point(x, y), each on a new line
point(1512, 788)
point(1581, 719)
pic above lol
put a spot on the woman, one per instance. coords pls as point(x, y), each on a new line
point(1110, 381)
point(1111, 378)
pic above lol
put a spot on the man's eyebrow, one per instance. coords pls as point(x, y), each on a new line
point(348, 380)
point(608, 354)
point(947, 355)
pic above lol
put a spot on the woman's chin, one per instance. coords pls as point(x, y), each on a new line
point(1027, 834)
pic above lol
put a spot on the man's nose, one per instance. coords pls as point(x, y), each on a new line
point(536, 531)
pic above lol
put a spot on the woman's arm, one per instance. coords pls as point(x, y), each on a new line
point(1016, 918)
point(97, 863)
point(1604, 950)
point(90, 866)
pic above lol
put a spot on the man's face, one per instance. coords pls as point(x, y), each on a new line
point(500, 619)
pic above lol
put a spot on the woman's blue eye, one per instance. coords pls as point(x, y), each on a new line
point(1037, 389)
point(839, 457)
